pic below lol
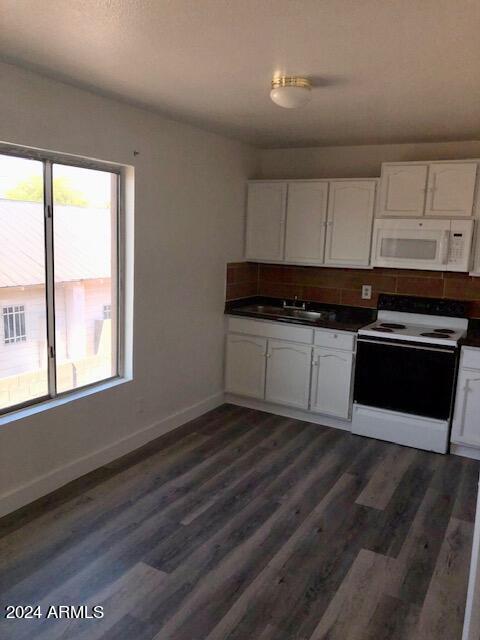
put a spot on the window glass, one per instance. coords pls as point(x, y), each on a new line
point(85, 266)
point(23, 345)
point(409, 249)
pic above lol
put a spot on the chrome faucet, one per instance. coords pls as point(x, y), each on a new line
point(301, 305)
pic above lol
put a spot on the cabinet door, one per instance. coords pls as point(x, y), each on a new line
point(451, 189)
point(466, 423)
point(349, 222)
point(288, 373)
point(265, 235)
point(306, 216)
point(402, 190)
point(331, 382)
point(245, 366)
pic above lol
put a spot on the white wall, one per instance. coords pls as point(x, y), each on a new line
point(189, 207)
point(356, 162)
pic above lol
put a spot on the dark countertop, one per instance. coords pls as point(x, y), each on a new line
point(346, 318)
point(472, 339)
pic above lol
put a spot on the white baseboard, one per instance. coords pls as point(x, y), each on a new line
point(55, 479)
point(297, 414)
point(465, 451)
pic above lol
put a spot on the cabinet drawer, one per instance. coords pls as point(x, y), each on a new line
point(267, 329)
point(470, 358)
point(335, 340)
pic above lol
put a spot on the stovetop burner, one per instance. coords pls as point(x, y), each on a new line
point(392, 325)
point(422, 320)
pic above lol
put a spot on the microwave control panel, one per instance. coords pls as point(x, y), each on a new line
point(457, 247)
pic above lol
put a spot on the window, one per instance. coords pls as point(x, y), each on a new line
point(14, 324)
point(58, 259)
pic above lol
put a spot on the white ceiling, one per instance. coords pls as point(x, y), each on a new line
point(386, 70)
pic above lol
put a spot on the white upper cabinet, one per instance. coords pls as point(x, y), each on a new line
point(402, 190)
point(266, 204)
point(349, 226)
point(245, 365)
point(331, 382)
point(306, 217)
point(311, 222)
point(433, 189)
point(451, 189)
point(288, 373)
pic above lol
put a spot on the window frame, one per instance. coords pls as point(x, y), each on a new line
point(48, 159)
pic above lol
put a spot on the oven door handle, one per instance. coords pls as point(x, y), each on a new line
point(448, 350)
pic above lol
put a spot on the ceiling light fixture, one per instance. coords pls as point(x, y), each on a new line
point(290, 92)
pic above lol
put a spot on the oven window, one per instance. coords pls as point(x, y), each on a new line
point(409, 248)
point(405, 379)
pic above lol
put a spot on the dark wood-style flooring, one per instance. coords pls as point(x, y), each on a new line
point(247, 526)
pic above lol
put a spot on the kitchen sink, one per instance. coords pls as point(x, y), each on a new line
point(280, 312)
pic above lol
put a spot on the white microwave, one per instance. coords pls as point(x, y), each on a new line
point(417, 243)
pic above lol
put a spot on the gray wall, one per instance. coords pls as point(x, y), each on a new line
point(189, 208)
point(356, 162)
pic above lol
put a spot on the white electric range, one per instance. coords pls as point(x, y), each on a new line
point(406, 369)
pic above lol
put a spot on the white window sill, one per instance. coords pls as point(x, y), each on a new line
point(26, 412)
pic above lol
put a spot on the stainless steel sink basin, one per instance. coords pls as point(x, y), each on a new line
point(280, 312)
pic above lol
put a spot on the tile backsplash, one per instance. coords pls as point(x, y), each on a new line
point(343, 286)
point(242, 280)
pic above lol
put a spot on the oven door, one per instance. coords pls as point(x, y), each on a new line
point(405, 377)
point(412, 244)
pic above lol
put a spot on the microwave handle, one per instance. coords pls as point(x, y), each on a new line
point(446, 242)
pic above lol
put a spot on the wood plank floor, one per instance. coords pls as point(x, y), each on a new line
point(246, 526)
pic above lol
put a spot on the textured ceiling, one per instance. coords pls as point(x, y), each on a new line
point(385, 70)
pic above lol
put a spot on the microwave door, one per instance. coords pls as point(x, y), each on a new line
point(412, 247)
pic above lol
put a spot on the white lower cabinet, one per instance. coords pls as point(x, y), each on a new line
point(245, 365)
point(331, 382)
point(466, 422)
point(291, 365)
point(288, 373)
